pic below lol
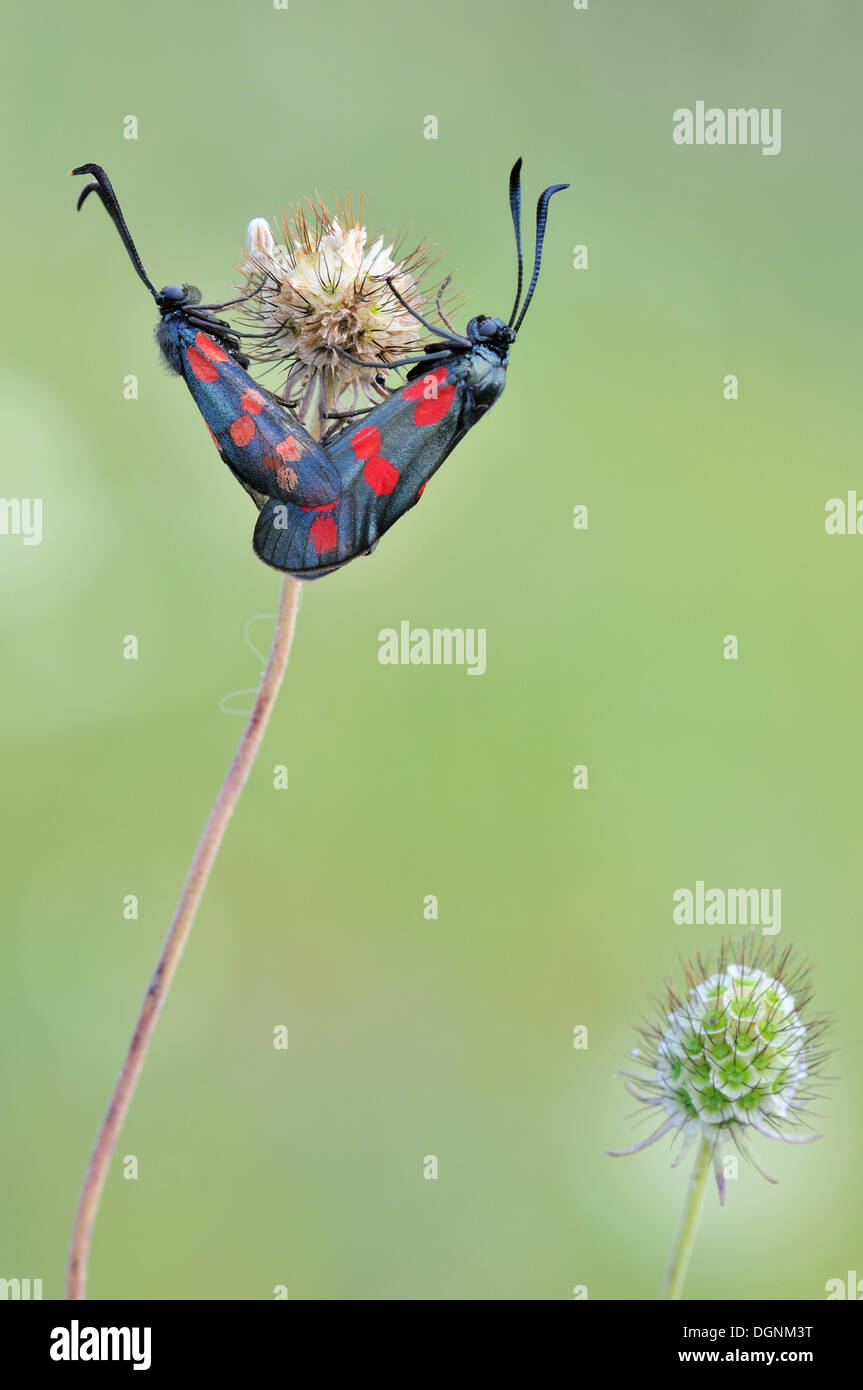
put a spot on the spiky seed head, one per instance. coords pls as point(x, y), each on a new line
point(736, 1054)
point(321, 291)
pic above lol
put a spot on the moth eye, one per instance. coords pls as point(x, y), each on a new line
point(487, 327)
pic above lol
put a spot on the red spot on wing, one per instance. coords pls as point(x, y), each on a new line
point(381, 475)
point(366, 441)
point(433, 396)
point(417, 389)
point(421, 490)
point(323, 533)
point(321, 507)
point(288, 449)
point(252, 402)
point(209, 348)
point(202, 366)
point(428, 412)
point(242, 430)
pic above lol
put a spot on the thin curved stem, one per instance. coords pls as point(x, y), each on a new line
point(688, 1228)
point(178, 932)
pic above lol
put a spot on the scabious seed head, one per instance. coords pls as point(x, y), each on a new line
point(321, 291)
point(736, 1053)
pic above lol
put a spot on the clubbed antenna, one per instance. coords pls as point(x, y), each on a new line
point(102, 186)
point(515, 209)
point(541, 218)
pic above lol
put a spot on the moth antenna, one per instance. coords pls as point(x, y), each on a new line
point(393, 362)
point(451, 337)
point(439, 302)
point(101, 185)
point(541, 218)
point(515, 209)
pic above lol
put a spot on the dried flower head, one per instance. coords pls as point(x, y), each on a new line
point(736, 1054)
point(321, 292)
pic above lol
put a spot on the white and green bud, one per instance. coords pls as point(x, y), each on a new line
point(734, 1055)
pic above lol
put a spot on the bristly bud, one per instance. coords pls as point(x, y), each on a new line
point(737, 1054)
point(321, 291)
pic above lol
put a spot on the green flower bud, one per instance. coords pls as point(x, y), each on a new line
point(733, 1055)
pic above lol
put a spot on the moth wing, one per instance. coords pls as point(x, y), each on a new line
point(387, 459)
point(383, 463)
point(265, 447)
point(306, 541)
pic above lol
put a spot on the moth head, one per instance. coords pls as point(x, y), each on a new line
point(171, 297)
point(491, 332)
point(177, 297)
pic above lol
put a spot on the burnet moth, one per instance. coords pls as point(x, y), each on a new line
point(323, 503)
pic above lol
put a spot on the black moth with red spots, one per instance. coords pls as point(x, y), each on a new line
point(324, 503)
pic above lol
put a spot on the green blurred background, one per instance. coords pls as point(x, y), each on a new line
point(411, 1037)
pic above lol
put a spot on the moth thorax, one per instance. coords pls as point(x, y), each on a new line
point(486, 375)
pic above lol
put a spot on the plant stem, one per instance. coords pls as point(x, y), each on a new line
point(688, 1228)
point(178, 932)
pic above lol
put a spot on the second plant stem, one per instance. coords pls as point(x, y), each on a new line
point(688, 1228)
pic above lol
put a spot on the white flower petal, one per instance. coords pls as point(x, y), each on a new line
point(259, 238)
